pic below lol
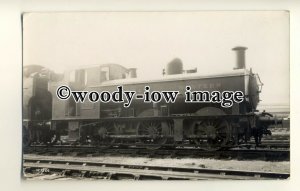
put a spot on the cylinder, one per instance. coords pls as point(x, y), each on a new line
point(240, 57)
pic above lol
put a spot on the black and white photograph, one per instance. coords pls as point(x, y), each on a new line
point(156, 95)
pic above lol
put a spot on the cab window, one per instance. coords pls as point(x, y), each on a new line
point(104, 75)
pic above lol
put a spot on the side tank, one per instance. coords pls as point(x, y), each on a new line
point(108, 77)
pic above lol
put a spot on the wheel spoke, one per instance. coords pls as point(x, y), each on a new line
point(218, 124)
point(216, 132)
point(154, 130)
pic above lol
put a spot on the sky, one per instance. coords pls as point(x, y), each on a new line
point(149, 40)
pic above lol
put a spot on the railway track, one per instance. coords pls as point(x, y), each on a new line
point(276, 144)
point(103, 170)
point(265, 154)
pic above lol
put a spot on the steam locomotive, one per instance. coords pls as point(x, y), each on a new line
point(50, 120)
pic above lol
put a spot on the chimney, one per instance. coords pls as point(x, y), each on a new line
point(240, 57)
